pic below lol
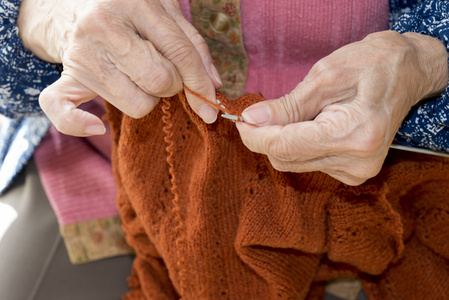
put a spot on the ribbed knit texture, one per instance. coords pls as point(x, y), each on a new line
point(284, 39)
point(76, 173)
point(211, 220)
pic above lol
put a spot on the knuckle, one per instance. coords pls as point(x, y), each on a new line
point(48, 101)
point(280, 149)
point(198, 40)
point(45, 95)
point(325, 71)
point(62, 127)
point(137, 114)
point(135, 103)
point(95, 17)
point(372, 36)
point(173, 8)
point(289, 107)
point(180, 52)
point(372, 171)
point(388, 35)
point(366, 170)
point(321, 67)
point(161, 82)
point(389, 47)
point(351, 181)
point(140, 109)
point(371, 141)
point(278, 165)
point(87, 23)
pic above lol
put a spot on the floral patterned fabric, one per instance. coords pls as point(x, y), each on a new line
point(219, 23)
point(94, 239)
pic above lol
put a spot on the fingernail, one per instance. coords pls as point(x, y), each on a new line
point(95, 130)
point(257, 114)
point(215, 73)
point(207, 113)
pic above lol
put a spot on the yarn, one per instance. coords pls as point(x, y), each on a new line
point(225, 105)
point(209, 219)
point(179, 230)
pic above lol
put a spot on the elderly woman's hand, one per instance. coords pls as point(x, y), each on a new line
point(343, 117)
point(128, 52)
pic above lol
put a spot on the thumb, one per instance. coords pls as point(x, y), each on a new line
point(282, 111)
point(191, 57)
point(302, 104)
point(60, 100)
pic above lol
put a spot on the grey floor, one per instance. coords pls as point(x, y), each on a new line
point(34, 264)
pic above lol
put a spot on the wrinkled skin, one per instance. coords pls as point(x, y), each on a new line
point(131, 53)
point(342, 118)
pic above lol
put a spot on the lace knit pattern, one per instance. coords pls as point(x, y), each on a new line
point(251, 232)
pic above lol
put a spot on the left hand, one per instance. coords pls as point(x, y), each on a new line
point(343, 117)
point(131, 53)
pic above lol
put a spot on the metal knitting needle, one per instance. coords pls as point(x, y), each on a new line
point(232, 117)
point(228, 116)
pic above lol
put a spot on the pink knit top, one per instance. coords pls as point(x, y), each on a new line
point(283, 41)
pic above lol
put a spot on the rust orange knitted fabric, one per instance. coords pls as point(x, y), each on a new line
point(211, 220)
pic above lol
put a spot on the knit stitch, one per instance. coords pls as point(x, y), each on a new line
point(235, 228)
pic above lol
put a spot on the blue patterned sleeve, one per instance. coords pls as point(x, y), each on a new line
point(400, 7)
point(22, 75)
point(427, 124)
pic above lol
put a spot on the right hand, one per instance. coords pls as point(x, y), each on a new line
point(128, 52)
point(342, 118)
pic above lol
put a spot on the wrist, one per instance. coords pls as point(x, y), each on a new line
point(38, 31)
point(432, 64)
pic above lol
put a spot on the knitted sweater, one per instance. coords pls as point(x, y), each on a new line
point(211, 220)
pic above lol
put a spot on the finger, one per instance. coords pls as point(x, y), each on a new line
point(298, 166)
point(100, 46)
point(322, 86)
point(143, 64)
point(112, 85)
point(328, 164)
point(346, 178)
point(173, 9)
point(348, 169)
point(294, 142)
point(60, 100)
point(288, 109)
point(154, 24)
